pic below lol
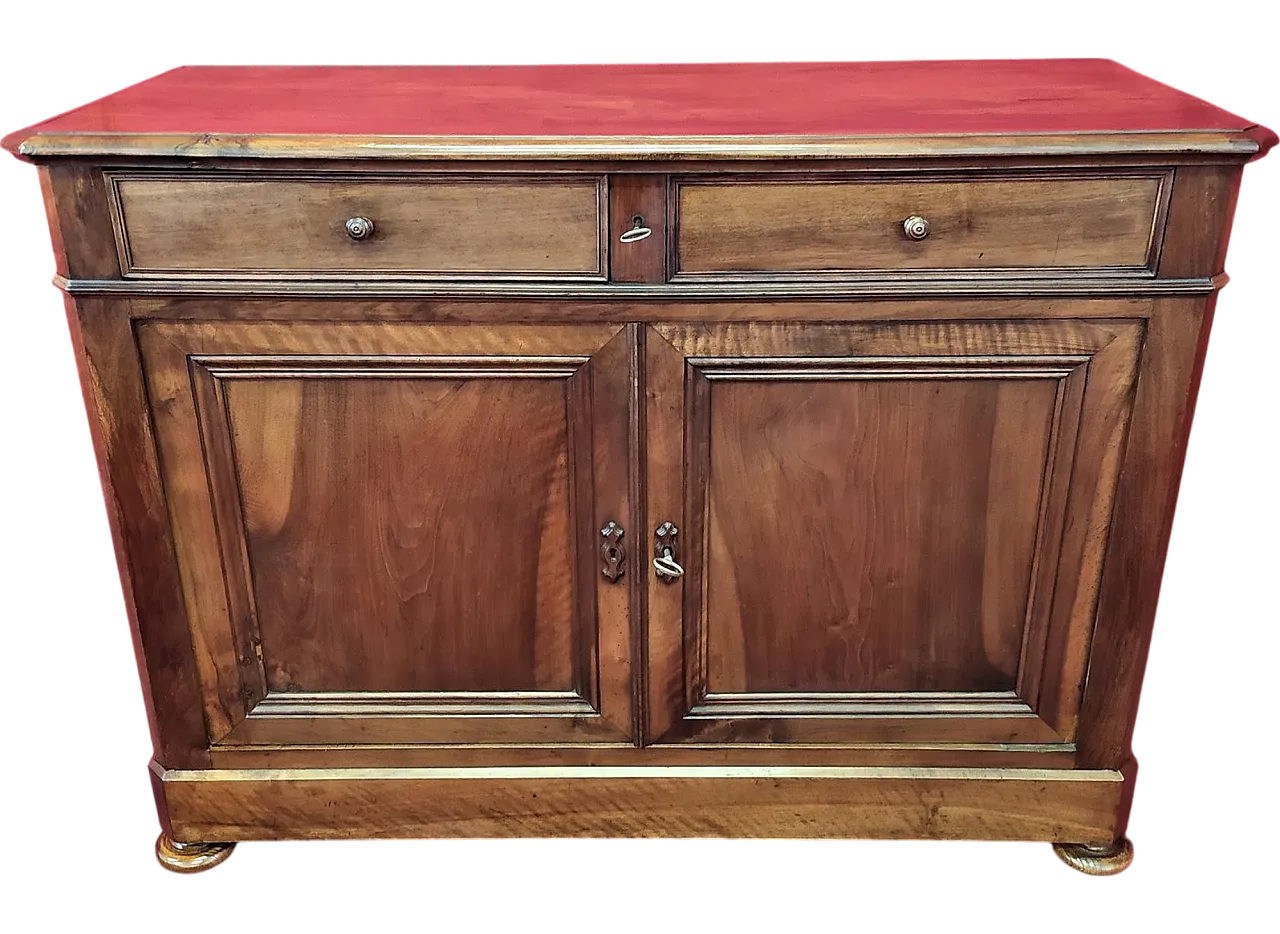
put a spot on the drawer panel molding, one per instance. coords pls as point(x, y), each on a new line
point(295, 226)
point(988, 225)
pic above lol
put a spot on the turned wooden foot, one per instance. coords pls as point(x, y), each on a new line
point(1096, 860)
point(190, 857)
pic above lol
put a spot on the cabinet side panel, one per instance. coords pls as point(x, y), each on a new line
point(1169, 377)
point(1199, 220)
point(119, 419)
point(80, 221)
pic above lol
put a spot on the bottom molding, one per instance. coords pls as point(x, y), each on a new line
point(1058, 805)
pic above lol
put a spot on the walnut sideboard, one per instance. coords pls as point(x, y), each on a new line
point(742, 450)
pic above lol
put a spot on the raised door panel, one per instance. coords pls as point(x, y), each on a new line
point(389, 533)
point(890, 532)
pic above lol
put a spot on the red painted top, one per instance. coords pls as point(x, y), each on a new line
point(802, 99)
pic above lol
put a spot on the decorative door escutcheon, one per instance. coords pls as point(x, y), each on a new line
point(664, 550)
point(612, 552)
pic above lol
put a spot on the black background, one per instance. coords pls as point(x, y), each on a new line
point(76, 738)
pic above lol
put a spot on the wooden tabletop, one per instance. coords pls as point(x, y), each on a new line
point(877, 108)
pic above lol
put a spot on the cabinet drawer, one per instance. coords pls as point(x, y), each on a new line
point(1020, 224)
point(203, 226)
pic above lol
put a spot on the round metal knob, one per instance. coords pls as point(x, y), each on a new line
point(915, 227)
point(359, 228)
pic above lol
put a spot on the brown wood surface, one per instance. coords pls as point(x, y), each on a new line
point(115, 398)
point(1177, 339)
point(1211, 145)
point(842, 517)
point(191, 225)
point(825, 225)
point(568, 310)
point(399, 523)
point(662, 450)
point(901, 755)
point(643, 197)
point(988, 804)
point(1054, 669)
point(924, 489)
point(77, 207)
point(155, 772)
point(434, 718)
point(1200, 212)
point(607, 493)
point(408, 534)
point(873, 525)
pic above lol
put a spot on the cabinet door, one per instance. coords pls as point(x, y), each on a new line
point(890, 532)
point(390, 533)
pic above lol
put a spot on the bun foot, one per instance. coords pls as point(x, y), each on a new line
point(1096, 860)
point(190, 857)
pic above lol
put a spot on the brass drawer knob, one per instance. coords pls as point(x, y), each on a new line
point(359, 228)
point(915, 227)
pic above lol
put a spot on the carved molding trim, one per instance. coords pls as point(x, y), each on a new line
point(847, 288)
point(425, 704)
point(1227, 143)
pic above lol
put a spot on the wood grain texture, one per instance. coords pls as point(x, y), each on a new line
point(378, 339)
point(854, 544)
point(643, 197)
point(115, 398)
point(989, 223)
point(1172, 360)
point(1058, 805)
point(76, 205)
point(155, 772)
point(662, 448)
point(883, 526)
point(569, 166)
point(568, 310)
point(216, 589)
point(973, 284)
point(408, 534)
point(1054, 686)
point(433, 718)
point(901, 755)
point(1199, 224)
point(612, 494)
point(187, 224)
point(345, 526)
point(1213, 145)
point(787, 339)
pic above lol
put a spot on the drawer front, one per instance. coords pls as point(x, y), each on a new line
point(208, 226)
point(1020, 225)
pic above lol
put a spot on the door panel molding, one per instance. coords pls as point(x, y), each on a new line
point(192, 369)
point(1091, 368)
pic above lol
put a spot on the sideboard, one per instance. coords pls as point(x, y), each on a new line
point(692, 450)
